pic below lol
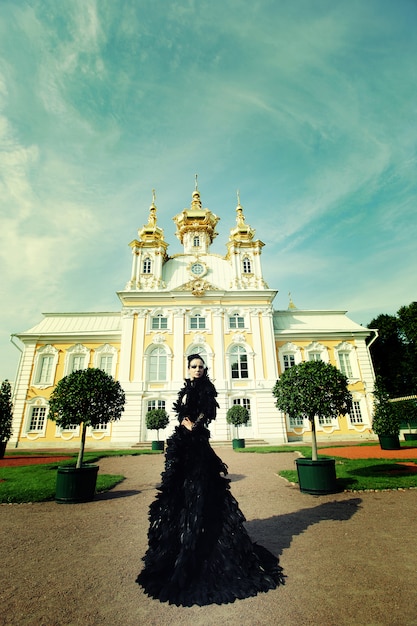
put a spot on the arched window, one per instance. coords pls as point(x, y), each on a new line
point(239, 362)
point(147, 266)
point(247, 267)
point(157, 364)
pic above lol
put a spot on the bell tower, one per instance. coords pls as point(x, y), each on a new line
point(244, 254)
point(196, 227)
point(149, 255)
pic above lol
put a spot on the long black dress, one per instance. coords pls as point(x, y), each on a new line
point(199, 551)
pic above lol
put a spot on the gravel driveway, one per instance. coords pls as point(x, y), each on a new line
point(348, 558)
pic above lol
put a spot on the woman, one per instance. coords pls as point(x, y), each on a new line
point(199, 551)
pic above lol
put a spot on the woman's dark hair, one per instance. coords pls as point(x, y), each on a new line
point(191, 357)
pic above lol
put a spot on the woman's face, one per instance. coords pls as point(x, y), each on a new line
point(196, 369)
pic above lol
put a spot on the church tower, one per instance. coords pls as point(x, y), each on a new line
point(244, 254)
point(149, 254)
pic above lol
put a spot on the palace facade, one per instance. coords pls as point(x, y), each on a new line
point(173, 306)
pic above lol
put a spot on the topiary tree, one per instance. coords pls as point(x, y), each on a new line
point(86, 397)
point(387, 415)
point(313, 389)
point(6, 415)
point(237, 415)
point(156, 419)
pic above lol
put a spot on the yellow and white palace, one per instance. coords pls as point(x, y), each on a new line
point(172, 306)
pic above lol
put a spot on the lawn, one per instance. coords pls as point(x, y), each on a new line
point(357, 474)
point(36, 483)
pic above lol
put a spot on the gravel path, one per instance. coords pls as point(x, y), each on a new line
point(348, 558)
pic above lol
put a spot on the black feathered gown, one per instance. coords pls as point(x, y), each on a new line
point(198, 549)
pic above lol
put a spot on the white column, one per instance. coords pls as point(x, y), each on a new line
point(138, 374)
point(268, 344)
point(257, 344)
point(178, 347)
point(126, 345)
point(218, 337)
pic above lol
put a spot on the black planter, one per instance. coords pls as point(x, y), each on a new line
point(410, 436)
point(317, 477)
point(158, 445)
point(389, 442)
point(3, 445)
point(76, 485)
point(238, 443)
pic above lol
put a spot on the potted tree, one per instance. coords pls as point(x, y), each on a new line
point(386, 422)
point(6, 416)
point(409, 408)
point(156, 419)
point(84, 398)
point(237, 415)
point(314, 389)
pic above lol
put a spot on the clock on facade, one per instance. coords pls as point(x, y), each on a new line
point(198, 269)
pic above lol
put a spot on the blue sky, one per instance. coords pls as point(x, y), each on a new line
point(308, 107)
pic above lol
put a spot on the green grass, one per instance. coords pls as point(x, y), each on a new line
point(365, 474)
point(36, 483)
point(355, 474)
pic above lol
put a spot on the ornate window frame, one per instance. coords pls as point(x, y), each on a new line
point(46, 352)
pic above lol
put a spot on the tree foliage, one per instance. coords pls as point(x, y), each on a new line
point(89, 397)
point(238, 415)
point(394, 352)
point(6, 411)
point(156, 419)
point(313, 389)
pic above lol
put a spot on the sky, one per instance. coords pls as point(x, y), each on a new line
point(307, 107)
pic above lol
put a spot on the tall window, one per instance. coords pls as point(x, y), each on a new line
point(147, 266)
point(246, 403)
point(314, 356)
point(106, 362)
point(247, 267)
point(355, 415)
point(325, 421)
point(77, 362)
point(158, 365)
point(197, 322)
point(239, 362)
point(45, 370)
point(155, 404)
point(159, 322)
point(296, 422)
point(236, 321)
point(289, 361)
point(196, 242)
point(37, 419)
point(345, 366)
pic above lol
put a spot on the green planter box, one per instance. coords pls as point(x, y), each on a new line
point(158, 445)
point(76, 485)
point(317, 477)
point(238, 443)
point(410, 436)
point(389, 442)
